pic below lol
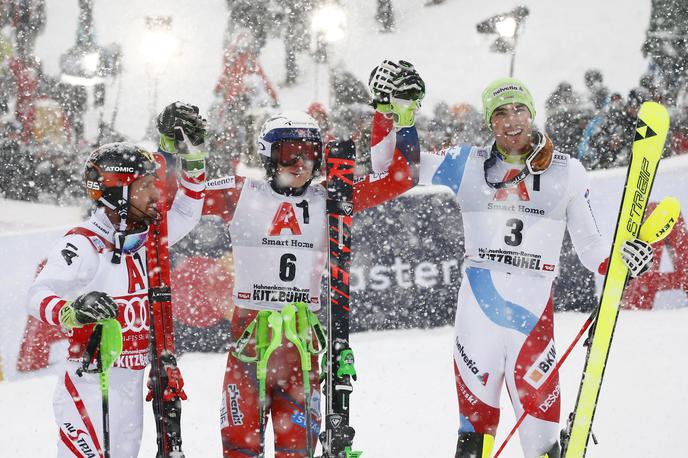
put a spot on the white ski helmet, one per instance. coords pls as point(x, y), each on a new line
point(287, 125)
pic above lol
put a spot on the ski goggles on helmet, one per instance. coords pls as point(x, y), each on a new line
point(288, 152)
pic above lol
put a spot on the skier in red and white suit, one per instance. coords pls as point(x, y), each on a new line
point(278, 228)
point(517, 197)
point(98, 271)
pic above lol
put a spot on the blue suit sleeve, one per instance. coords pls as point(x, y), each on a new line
point(450, 169)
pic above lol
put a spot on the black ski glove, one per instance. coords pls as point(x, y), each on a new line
point(408, 85)
point(177, 121)
point(87, 309)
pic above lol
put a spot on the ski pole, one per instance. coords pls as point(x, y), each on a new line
point(655, 228)
point(289, 318)
point(110, 349)
point(308, 321)
point(297, 315)
point(107, 338)
point(527, 409)
point(264, 348)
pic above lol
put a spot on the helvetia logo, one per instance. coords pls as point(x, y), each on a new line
point(483, 378)
point(509, 87)
point(471, 364)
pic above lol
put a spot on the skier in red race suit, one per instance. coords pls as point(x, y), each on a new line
point(98, 271)
point(278, 227)
point(517, 197)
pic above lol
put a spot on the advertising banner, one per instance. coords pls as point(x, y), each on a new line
point(406, 271)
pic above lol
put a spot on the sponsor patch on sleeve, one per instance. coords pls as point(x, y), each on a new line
point(541, 367)
point(373, 177)
point(221, 183)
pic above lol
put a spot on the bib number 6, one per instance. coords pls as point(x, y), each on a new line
point(287, 270)
point(515, 236)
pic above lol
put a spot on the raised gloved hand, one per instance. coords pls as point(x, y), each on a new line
point(380, 84)
point(637, 255)
point(408, 84)
point(87, 309)
point(183, 130)
point(407, 95)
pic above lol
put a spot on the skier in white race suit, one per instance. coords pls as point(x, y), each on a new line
point(98, 271)
point(517, 197)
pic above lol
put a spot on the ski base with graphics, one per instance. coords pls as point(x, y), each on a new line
point(651, 131)
point(337, 438)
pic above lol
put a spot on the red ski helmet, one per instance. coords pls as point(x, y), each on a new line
point(109, 171)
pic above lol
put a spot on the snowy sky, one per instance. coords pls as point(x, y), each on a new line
point(561, 41)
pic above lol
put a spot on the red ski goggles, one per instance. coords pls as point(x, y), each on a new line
point(288, 152)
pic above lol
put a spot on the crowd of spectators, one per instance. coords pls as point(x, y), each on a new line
point(597, 125)
point(41, 118)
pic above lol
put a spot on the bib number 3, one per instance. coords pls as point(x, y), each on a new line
point(515, 235)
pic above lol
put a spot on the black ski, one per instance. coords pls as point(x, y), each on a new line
point(165, 378)
point(337, 439)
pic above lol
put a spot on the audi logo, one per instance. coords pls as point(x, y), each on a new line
point(133, 314)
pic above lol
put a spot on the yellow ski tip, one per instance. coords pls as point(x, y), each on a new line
point(661, 221)
point(652, 118)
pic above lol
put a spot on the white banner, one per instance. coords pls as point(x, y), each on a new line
point(664, 286)
point(22, 252)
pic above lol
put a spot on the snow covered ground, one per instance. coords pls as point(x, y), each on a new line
point(404, 404)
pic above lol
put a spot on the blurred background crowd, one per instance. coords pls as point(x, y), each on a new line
point(44, 140)
point(42, 136)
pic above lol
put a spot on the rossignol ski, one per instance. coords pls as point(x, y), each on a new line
point(651, 131)
point(337, 438)
point(164, 374)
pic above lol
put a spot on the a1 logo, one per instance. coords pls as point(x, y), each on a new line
point(285, 218)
